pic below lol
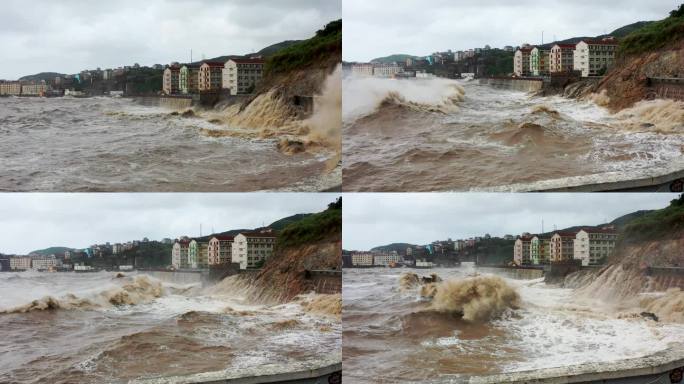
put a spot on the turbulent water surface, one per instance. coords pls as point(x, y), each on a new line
point(392, 334)
point(457, 135)
point(96, 328)
point(110, 144)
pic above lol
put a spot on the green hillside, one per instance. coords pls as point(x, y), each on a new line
point(656, 225)
point(313, 228)
point(52, 251)
point(655, 35)
point(394, 58)
point(400, 248)
point(324, 46)
point(284, 222)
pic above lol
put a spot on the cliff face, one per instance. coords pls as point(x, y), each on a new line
point(626, 82)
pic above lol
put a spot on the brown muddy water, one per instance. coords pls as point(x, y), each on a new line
point(95, 328)
point(439, 135)
point(114, 144)
point(477, 325)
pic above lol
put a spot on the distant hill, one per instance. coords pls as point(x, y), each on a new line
point(394, 58)
point(279, 225)
point(52, 250)
point(272, 49)
point(42, 76)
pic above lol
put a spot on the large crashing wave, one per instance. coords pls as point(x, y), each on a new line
point(364, 96)
point(137, 290)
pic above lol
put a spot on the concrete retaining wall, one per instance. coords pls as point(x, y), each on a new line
point(175, 103)
point(326, 282)
point(666, 88)
point(524, 85)
point(177, 277)
point(662, 279)
point(514, 273)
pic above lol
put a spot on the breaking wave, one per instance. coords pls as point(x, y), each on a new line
point(475, 299)
point(365, 96)
point(661, 115)
point(321, 304)
point(141, 289)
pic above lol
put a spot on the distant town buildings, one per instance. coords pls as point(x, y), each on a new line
point(591, 57)
point(592, 246)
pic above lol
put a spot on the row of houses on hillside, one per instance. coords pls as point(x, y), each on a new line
point(590, 245)
point(249, 249)
point(23, 88)
point(235, 76)
point(590, 57)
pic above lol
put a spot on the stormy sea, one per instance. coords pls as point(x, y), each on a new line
point(443, 135)
point(117, 144)
point(475, 322)
point(105, 327)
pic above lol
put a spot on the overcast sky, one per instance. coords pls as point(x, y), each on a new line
point(68, 36)
point(31, 221)
point(382, 27)
point(375, 219)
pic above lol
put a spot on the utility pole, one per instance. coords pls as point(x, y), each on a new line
point(542, 37)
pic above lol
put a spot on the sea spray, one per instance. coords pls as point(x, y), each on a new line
point(661, 115)
point(476, 299)
point(363, 96)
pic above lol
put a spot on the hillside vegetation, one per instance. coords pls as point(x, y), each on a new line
point(313, 228)
point(325, 44)
point(656, 225)
point(655, 35)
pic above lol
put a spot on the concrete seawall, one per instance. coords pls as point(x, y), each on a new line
point(175, 103)
point(524, 85)
point(514, 273)
point(661, 368)
point(178, 277)
point(326, 282)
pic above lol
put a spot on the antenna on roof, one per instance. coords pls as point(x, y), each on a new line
point(542, 38)
point(542, 225)
point(191, 55)
point(200, 229)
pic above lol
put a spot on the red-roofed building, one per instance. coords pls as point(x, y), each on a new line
point(594, 57)
point(594, 245)
point(220, 250)
point(171, 80)
point(241, 76)
point(561, 58)
point(179, 253)
point(521, 61)
point(210, 76)
point(562, 246)
point(521, 250)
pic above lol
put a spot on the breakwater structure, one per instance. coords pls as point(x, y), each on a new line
point(665, 367)
point(518, 273)
point(524, 84)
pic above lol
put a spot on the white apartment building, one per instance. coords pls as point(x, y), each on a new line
point(539, 61)
point(365, 69)
point(561, 58)
point(386, 70)
point(362, 259)
point(240, 76)
point(179, 254)
point(250, 248)
point(592, 57)
point(42, 263)
point(220, 250)
point(20, 263)
point(521, 62)
point(171, 80)
point(385, 259)
point(593, 245)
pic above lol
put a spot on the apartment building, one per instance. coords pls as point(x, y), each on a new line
point(539, 61)
point(594, 57)
point(211, 76)
point(171, 80)
point(562, 246)
point(179, 254)
point(365, 69)
point(594, 245)
point(385, 258)
point(386, 70)
point(540, 248)
point(20, 263)
point(43, 263)
point(10, 88)
point(241, 76)
point(220, 250)
point(521, 250)
point(198, 254)
point(521, 61)
point(561, 58)
point(188, 78)
point(34, 89)
point(362, 259)
point(250, 249)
